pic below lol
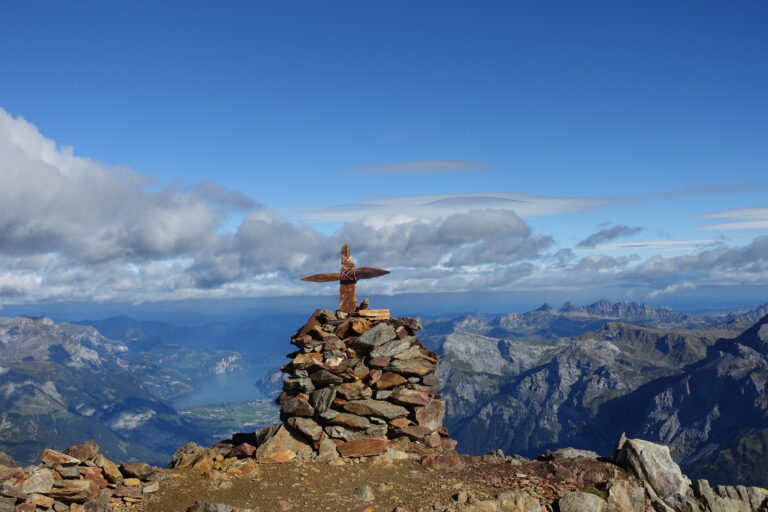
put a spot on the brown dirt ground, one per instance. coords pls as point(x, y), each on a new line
point(309, 486)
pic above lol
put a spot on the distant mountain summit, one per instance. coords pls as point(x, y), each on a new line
point(715, 415)
point(40, 339)
point(61, 381)
point(549, 324)
point(580, 375)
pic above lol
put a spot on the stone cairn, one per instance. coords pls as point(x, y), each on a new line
point(363, 381)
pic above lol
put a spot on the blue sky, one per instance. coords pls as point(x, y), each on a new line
point(468, 146)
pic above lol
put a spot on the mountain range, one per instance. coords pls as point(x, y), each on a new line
point(673, 383)
point(522, 382)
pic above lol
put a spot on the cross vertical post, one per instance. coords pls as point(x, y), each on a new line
point(347, 277)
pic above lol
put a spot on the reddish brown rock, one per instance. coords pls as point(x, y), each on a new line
point(444, 462)
point(412, 366)
point(410, 397)
point(374, 376)
point(390, 380)
point(312, 324)
point(52, 457)
point(447, 444)
point(403, 444)
point(84, 451)
point(136, 470)
point(400, 422)
point(350, 420)
point(278, 457)
point(363, 447)
point(364, 508)
point(109, 468)
point(95, 475)
point(124, 491)
point(242, 451)
point(416, 432)
point(379, 362)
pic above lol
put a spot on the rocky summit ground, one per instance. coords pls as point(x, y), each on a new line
point(307, 485)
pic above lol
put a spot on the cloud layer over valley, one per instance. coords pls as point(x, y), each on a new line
point(72, 228)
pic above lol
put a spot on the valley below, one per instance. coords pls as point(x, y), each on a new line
point(520, 382)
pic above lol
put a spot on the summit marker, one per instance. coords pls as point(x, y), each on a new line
point(347, 277)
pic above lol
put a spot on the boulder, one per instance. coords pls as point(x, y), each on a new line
point(7, 461)
point(84, 451)
point(40, 481)
point(653, 464)
point(582, 502)
point(136, 470)
point(282, 446)
point(623, 496)
point(187, 455)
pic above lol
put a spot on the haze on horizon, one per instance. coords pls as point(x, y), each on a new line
point(199, 152)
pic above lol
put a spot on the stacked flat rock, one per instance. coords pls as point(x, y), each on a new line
point(363, 376)
point(78, 480)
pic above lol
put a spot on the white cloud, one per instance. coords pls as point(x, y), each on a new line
point(749, 218)
point(654, 245)
point(424, 166)
point(672, 288)
point(74, 229)
point(388, 211)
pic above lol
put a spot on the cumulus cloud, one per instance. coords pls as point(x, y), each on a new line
point(424, 166)
point(74, 229)
point(672, 288)
point(608, 234)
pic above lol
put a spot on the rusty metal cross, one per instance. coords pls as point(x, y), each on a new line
point(347, 278)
